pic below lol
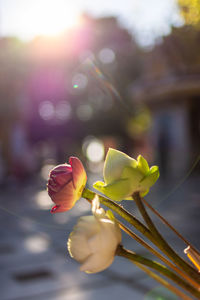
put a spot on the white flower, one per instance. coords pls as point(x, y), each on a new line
point(94, 240)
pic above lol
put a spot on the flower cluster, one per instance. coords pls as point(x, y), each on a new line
point(95, 238)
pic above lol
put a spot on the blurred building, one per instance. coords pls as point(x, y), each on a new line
point(170, 87)
point(57, 91)
point(72, 82)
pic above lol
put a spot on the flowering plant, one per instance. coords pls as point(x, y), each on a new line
point(96, 239)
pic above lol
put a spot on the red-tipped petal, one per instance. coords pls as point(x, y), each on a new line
point(59, 209)
point(78, 172)
point(55, 208)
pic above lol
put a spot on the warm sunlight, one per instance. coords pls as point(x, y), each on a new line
point(45, 17)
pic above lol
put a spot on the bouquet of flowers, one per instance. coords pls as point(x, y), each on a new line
point(96, 239)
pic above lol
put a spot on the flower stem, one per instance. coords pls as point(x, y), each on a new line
point(162, 244)
point(156, 253)
point(121, 251)
point(168, 224)
point(162, 281)
point(121, 212)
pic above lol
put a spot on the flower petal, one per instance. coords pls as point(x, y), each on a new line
point(114, 164)
point(142, 164)
point(78, 172)
point(132, 174)
point(150, 178)
point(118, 190)
point(66, 196)
point(61, 174)
point(58, 208)
point(58, 177)
point(62, 178)
point(96, 263)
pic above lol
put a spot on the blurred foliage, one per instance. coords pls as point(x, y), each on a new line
point(190, 10)
point(140, 123)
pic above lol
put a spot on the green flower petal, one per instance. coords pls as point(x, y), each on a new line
point(142, 164)
point(150, 178)
point(118, 190)
point(114, 164)
point(99, 185)
point(134, 175)
point(142, 194)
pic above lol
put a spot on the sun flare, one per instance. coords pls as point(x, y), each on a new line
point(46, 17)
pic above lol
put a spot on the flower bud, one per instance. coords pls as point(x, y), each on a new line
point(124, 176)
point(66, 183)
point(94, 241)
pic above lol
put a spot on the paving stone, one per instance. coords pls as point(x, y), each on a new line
point(106, 291)
point(34, 263)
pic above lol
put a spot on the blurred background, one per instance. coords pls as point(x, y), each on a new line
point(75, 79)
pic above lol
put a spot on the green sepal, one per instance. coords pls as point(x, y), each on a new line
point(118, 190)
point(142, 164)
point(110, 215)
point(142, 194)
point(150, 178)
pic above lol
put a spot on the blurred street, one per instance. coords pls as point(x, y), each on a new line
point(34, 261)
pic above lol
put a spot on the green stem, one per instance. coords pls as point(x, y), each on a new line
point(169, 225)
point(162, 244)
point(144, 230)
point(90, 196)
point(158, 267)
point(120, 211)
point(162, 281)
point(156, 253)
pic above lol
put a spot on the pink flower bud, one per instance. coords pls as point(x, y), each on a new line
point(66, 183)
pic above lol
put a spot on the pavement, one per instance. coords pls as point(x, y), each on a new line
point(35, 264)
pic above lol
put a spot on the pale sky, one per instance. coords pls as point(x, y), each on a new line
point(148, 19)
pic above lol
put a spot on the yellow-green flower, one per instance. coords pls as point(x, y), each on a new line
point(124, 176)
